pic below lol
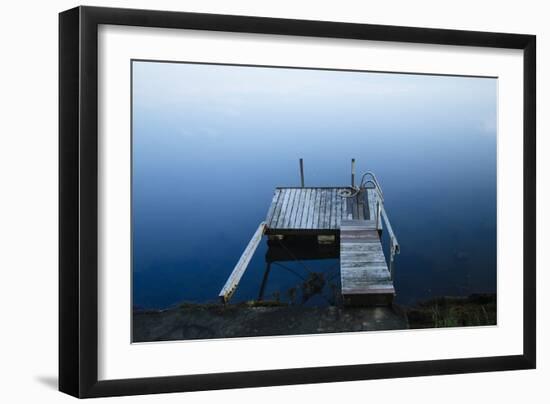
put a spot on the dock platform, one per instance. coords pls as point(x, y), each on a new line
point(317, 210)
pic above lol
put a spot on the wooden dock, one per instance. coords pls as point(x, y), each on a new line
point(317, 210)
point(351, 215)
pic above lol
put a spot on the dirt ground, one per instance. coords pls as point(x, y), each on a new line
point(216, 321)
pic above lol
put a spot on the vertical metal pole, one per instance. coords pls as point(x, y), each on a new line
point(302, 171)
point(352, 172)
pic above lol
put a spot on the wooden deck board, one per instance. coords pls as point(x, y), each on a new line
point(283, 201)
point(303, 221)
point(291, 204)
point(311, 208)
point(297, 212)
point(322, 210)
point(273, 208)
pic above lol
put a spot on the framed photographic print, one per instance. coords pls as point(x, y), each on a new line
point(250, 201)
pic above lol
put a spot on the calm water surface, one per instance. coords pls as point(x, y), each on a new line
point(210, 144)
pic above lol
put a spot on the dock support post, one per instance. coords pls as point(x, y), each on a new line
point(352, 172)
point(302, 171)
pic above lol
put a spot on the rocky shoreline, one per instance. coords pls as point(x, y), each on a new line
point(253, 319)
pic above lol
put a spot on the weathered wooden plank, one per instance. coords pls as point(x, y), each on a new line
point(360, 209)
point(338, 210)
point(321, 209)
point(333, 209)
point(315, 216)
point(311, 209)
point(297, 214)
point(369, 287)
point(295, 206)
point(365, 198)
point(350, 208)
point(372, 204)
point(288, 213)
point(372, 289)
point(301, 209)
point(296, 211)
point(305, 207)
point(326, 210)
point(297, 217)
point(362, 257)
point(277, 212)
point(357, 230)
point(271, 211)
point(365, 237)
point(315, 208)
point(284, 204)
point(361, 248)
point(366, 283)
point(360, 269)
point(343, 208)
point(354, 224)
point(356, 277)
point(329, 209)
point(239, 269)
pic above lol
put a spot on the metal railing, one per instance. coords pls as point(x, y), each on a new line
point(382, 215)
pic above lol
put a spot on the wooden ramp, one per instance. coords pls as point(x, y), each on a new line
point(364, 272)
point(238, 272)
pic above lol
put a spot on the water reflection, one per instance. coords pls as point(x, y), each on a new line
point(211, 143)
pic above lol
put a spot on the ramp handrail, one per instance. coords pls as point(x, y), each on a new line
point(381, 214)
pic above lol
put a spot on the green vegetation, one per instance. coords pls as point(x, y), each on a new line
point(473, 310)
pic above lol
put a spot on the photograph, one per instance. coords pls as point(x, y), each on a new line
point(285, 200)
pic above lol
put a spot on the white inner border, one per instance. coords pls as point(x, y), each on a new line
point(118, 358)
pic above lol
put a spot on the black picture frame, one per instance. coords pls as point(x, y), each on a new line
point(78, 201)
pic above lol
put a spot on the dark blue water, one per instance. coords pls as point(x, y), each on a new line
point(210, 144)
